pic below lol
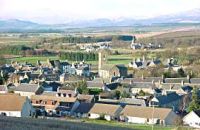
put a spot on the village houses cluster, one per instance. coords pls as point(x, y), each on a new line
point(47, 89)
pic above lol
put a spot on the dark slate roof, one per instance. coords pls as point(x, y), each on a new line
point(170, 97)
point(55, 63)
point(33, 76)
point(195, 80)
point(187, 88)
point(176, 80)
point(84, 107)
point(53, 85)
point(197, 112)
point(112, 86)
point(65, 63)
point(157, 90)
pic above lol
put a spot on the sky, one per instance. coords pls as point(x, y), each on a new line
point(63, 11)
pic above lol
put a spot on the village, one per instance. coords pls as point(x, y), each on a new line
point(60, 89)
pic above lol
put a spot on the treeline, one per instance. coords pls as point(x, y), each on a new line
point(71, 39)
point(24, 51)
point(78, 56)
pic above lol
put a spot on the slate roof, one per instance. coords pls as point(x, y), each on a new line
point(84, 107)
point(142, 85)
point(197, 112)
point(170, 97)
point(171, 86)
point(133, 101)
point(92, 84)
point(112, 86)
point(195, 80)
point(146, 79)
point(27, 88)
point(176, 80)
point(187, 88)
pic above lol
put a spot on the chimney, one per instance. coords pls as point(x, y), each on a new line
point(163, 78)
point(171, 87)
point(143, 59)
point(188, 77)
point(159, 82)
point(182, 82)
point(153, 82)
point(131, 82)
point(142, 76)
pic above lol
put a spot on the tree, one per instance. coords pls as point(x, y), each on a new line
point(82, 88)
point(195, 103)
point(117, 94)
point(181, 72)
point(141, 93)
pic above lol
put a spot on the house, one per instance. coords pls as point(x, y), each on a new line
point(135, 46)
point(28, 89)
point(54, 105)
point(106, 111)
point(143, 63)
point(167, 100)
point(147, 115)
point(83, 109)
point(83, 71)
point(192, 119)
point(15, 105)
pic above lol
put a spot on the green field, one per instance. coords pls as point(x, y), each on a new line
point(33, 60)
point(113, 59)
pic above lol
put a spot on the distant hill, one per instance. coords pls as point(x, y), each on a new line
point(180, 19)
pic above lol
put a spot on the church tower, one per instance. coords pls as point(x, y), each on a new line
point(102, 58)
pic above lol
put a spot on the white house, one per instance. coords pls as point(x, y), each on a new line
point(148, 115)
point(192, 119)
point(106, 111)
point(15, 105)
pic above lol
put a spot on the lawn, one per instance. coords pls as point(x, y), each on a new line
point(128, 125)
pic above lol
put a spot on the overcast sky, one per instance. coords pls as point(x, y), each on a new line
point(62, 11)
